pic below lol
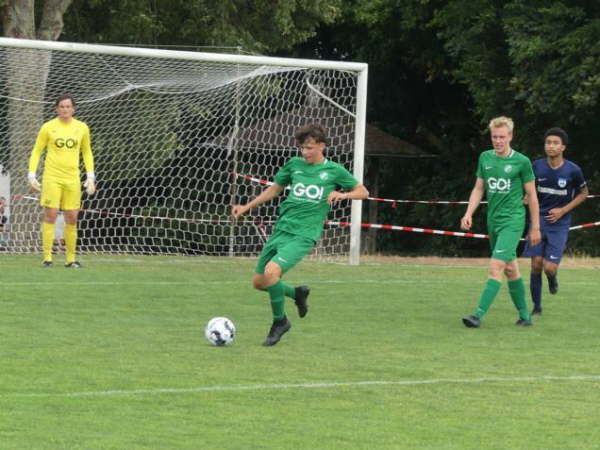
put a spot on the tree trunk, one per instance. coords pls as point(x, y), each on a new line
point(18, 19)
point(52, 23)
point(26, 81)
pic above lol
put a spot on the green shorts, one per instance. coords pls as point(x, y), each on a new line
point(504, 239)
point(284, 249)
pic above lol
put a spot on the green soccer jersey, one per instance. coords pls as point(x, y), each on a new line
point(504, 179)
point(305, 208)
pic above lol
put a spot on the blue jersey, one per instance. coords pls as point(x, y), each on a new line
point(557, 187)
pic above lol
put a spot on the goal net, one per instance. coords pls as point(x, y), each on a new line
point(177, 137)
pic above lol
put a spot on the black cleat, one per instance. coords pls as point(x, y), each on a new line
point(524, 323)
point(536, 310)
point(553, 284)
point(46, 264)
point(301, 300)
point(73, 265)
point(471, 321)
point(278, 329)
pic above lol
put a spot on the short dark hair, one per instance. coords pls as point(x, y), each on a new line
point(559, 132)
point(313, 130)
point(64, 97)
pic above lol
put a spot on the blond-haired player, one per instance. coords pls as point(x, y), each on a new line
point(65, 140)
point(503, 174)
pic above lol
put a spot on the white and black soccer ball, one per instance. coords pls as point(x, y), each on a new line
point(220, 331)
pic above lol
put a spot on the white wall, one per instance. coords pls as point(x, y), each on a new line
point(5, 190)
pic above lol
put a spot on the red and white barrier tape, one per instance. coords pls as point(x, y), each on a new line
point(261, 223)
point(389, 200)
point(413, 229)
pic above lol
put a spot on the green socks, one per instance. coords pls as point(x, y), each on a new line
point(288, 290)
point(277, 294)
point(517, 294)
point(487, 296)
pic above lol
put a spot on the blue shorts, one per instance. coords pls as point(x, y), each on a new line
point(552, 246)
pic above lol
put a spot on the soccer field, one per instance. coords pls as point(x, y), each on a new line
point(113, 357)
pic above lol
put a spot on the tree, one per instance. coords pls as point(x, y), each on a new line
point(253, 25)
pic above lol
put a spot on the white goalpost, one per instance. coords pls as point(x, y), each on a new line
point(178, 137)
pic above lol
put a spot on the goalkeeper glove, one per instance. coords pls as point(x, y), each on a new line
point(90, 183)
point(33, 182)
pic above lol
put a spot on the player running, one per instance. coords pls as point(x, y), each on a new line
point(503, 174)
point(65, 139)
point(313, 181)
point(560, 188)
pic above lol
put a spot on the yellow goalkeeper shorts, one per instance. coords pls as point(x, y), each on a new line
point(60, 193)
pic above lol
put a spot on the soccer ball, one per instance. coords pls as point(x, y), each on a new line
point(220, 331)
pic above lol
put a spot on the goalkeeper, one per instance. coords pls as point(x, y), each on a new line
point(314, 182)
point(65, 139)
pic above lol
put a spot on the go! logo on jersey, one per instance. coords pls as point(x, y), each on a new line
point(311, 191)
point(69, 143)
point(498, 184)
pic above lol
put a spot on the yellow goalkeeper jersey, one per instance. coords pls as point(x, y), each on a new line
point(64, 143)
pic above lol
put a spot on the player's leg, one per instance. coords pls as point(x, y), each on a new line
point(535, 283)
point(492, 286)
point(516, 288)
point(267, 278)
point(70, 204)
point(293, 250)
point(50, 200)
point(535, 278)
point(509, 239)
point(557, 241)
point(289, 250)
point(48, 227)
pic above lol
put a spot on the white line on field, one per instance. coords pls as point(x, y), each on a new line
point(324, 385)
point(245, 282)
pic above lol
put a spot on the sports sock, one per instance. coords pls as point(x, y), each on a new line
point(517, 294)
point(288, 290)
point(276, 292)
point(488, 295)
point(535, 287)
point(70, 242)
point(47, 240)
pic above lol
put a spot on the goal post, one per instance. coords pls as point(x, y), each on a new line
point(178, 137)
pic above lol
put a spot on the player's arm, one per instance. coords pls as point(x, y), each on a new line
point(40, 144)
point(556, 213)
point(474, 200)
point(268, 194)
point(358, 192)
point(535, 236)
point(88, 162)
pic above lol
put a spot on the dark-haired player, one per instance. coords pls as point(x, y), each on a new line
point(315, 183)
point(65, 139)
point(560, 188)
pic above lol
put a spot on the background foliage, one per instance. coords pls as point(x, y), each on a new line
point(439, 70)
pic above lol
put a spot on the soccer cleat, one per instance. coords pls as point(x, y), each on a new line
point(523, 323)
point(536, 310)
point(73, 265)
point(278, 329)
point(552, 284)
point(471, 321)
point(46, 264)
point(301, 300)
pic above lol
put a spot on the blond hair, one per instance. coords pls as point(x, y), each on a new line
point(502, 121)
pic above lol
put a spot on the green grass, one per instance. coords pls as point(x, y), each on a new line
point(113, 357)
